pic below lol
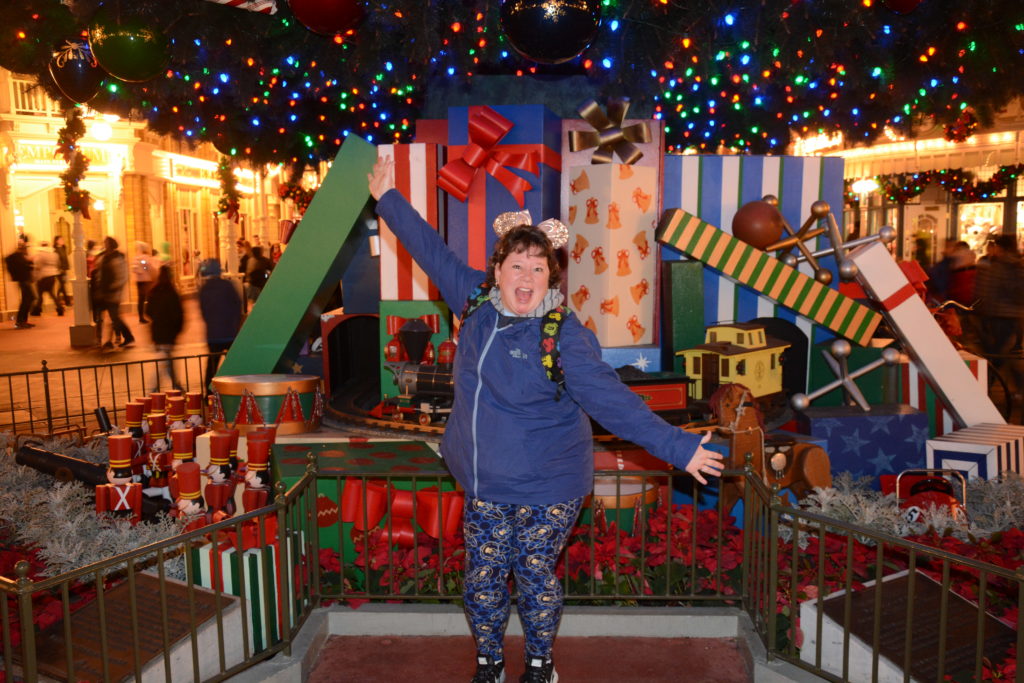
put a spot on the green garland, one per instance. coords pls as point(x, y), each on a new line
point(962, 185)
point(77, 200)
point(230, 197)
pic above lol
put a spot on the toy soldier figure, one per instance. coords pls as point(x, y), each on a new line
point(189, 506)
point(257, 474)
point(220, 491)
point(176, 413)
point(158, 458)
point(121, 497)
point(194, 412)
point(133, 412)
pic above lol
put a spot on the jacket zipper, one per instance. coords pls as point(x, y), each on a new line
point(476, 401)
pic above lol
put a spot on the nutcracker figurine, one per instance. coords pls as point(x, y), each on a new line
point(257, 474)
point(220, 491)
point(194, 412)
point(182, 446)
point(158, 457)
point(189, 507)
point(176, 412)
point(158, 402)
point(121, 497)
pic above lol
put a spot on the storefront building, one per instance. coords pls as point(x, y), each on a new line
point(934, 189)
point(146, 191)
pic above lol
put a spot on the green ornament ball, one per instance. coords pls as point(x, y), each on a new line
point(128, 49)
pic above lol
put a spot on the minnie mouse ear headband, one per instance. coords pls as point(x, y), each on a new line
point(555, 229)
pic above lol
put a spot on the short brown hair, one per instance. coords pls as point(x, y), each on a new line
point(526, 238)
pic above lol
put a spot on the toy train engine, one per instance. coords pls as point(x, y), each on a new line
point(426, 389)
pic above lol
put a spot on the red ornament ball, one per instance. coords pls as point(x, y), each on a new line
point(327, 17)
point(902, 6)
point(327, 512)
point(757, 223)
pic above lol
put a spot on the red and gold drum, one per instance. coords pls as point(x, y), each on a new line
point(247, 402)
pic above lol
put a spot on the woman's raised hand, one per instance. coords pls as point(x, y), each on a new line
point(383, 177)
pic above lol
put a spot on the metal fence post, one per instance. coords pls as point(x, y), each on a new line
point(46, 394)
point(26, 624)
point(773, 570)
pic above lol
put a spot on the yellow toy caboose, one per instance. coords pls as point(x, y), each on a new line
point(734, 352)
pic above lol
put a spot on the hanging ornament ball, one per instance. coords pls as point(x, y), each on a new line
point(127, 48)
point(757, 223)
point(550, 31)
point(902, 6)
point(327, 17)
point(76, 72)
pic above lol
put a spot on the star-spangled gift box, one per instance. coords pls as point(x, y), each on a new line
point(982, 451)
point(497, 156)
point(886, 440)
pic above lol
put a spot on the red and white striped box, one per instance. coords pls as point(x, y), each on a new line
point(416, 165)
point(915, 391)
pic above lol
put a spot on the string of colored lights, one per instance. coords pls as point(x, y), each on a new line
point(963, 185)
point(723, 74)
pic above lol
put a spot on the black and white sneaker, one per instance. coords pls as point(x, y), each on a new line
point(539, 670)
point(488, 670)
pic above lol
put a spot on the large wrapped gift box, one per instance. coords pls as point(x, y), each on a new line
point(714, 187)
point(613, 267)
point(353, 474)
point(501, 158)
point(416, 166)
point(886, 440)
point(981, 451)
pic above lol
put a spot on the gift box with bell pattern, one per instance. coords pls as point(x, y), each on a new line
point(612, 255)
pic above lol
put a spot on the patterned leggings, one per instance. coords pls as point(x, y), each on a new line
point(502, 538)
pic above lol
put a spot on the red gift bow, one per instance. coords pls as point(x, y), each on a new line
point(394, 322)
point(486, 129)
point(366, 512)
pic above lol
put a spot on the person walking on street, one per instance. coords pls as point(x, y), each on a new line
point(112, 276)
point(19, 267)
point(47, 270)
point(163, 306)
point(61, 250)
point(143, 269)
point(221, 308)
point(257, 273)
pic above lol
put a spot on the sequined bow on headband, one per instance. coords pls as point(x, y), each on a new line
point(555, 229)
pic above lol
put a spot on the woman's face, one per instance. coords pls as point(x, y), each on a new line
point(522, 281)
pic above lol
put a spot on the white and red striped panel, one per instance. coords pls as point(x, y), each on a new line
point(260, 6)
point(416, 165)
point(914, 391)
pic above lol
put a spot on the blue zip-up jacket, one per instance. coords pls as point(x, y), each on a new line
point(508, 440)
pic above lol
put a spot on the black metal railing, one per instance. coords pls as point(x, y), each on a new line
point(265, 571)
point(49, 401)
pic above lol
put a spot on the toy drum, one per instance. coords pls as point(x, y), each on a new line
point(246, 402)
point(621, 498)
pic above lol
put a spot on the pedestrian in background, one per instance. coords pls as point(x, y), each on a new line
point(143, 269)
point(221, 308)
point(61, 250)
point(167, 318)
point(257, 273)
point(112, 276)
point(19, 267)
point(47, 269)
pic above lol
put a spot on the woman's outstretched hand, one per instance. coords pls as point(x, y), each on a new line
point(383, 177)
point(705, 462)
